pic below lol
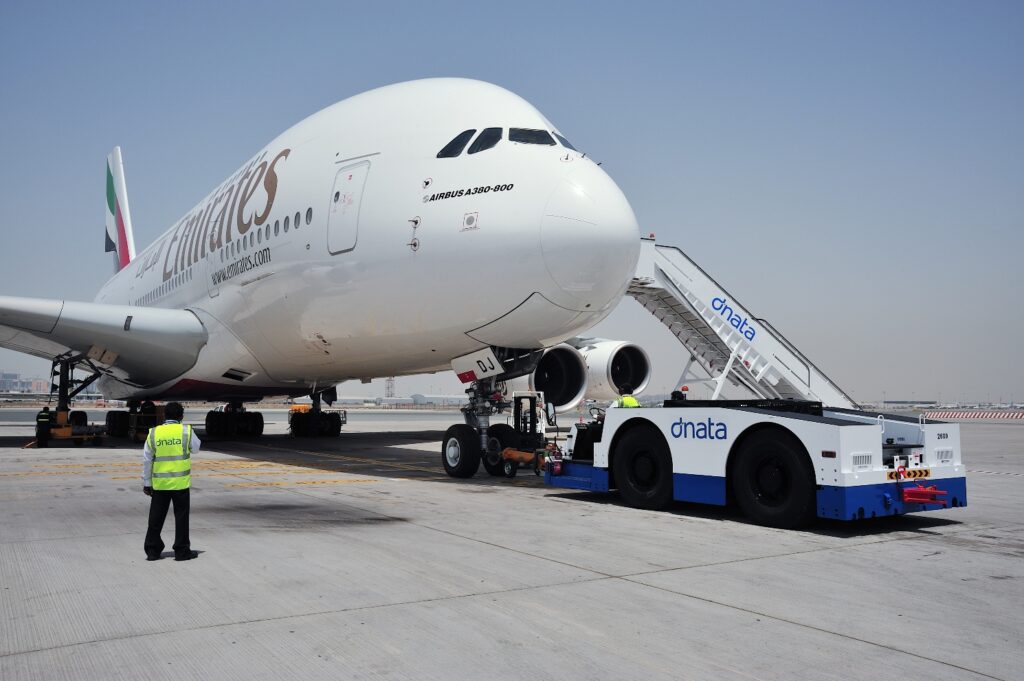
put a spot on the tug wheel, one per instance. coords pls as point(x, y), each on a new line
point(772, 480)
point(460, 451)
point(499, 436)
point(643, 469)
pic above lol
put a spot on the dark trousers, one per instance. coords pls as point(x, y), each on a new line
point(158, 505)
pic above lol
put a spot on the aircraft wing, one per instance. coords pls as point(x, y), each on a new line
point(143, 346)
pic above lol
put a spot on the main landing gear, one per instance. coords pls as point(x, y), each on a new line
point(315, 422)
point(233, 420)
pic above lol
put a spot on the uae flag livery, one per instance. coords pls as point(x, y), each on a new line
point(118, 237)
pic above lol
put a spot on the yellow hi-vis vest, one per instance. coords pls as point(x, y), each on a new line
point(627, 401)
point(172, 456)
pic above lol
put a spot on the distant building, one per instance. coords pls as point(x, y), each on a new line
point(14, 383)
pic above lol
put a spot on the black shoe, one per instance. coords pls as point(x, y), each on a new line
point(153, 557)
point(188, 556)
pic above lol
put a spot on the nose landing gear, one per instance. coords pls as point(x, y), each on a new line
point(500, 447)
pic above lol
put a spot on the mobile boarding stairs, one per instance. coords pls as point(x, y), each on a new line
point(722, 337)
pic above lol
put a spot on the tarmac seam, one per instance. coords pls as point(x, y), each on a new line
point(811, 627)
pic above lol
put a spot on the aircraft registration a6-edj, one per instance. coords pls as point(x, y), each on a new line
point(420, 226)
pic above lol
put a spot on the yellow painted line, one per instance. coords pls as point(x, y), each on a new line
point(290, 483)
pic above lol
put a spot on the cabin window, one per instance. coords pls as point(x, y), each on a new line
point(565, 142)
point(458, 143)
point(526, 136)
point(309, 216)
point(298, 220)
point(487, 139)
point(285, 224)
point(277, 227)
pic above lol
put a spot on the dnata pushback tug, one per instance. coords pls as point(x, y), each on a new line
point(799, 448)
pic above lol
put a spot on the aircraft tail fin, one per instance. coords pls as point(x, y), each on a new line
point(119, 238)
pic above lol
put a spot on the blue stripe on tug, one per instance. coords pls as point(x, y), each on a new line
point(875, 501)
point(838, 503)
point(578, 476)
point(701, 489)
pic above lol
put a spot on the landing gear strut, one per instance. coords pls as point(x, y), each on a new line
point(67, 424)
point(466, 445)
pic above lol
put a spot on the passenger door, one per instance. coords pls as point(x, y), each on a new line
point(343, 220)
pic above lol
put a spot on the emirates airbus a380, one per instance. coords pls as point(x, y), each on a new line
point(434, 224)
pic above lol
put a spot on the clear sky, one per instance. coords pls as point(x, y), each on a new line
point(853, 172)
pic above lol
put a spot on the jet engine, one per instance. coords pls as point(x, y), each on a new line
point(561, 375)
point(582, 368)
point(612, 364)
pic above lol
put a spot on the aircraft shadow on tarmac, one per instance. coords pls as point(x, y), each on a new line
point(394, 454)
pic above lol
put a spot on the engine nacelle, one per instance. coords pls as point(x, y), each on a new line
point(561, 375)
point(596, 368)
point(612, 364)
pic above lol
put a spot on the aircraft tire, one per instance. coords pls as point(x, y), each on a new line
point(256, 423)
point(499, 436)
point(335, 420)
point(297, 423)
point(643, 469)
point(772, 480)
point(460, 451)
point(213, 424)
point(117, 423)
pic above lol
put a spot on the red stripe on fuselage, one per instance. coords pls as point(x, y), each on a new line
point(122, 240)
point(191, 389)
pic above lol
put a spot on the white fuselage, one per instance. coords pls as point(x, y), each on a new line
point(346, 249)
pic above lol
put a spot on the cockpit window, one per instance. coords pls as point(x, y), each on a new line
point(487, 139)
point(458, 143)
point(526, 136)
point(565, 142)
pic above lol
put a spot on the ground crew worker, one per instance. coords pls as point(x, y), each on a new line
point(626, 398)
point(43, 423)
point(166, 479)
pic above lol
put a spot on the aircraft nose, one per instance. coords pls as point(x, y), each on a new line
point(590, 239)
